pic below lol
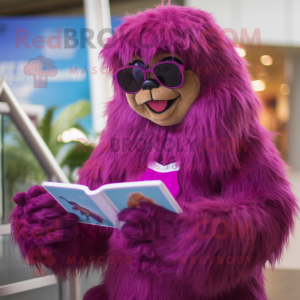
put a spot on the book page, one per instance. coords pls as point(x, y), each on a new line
point(74, 199)
point(155, 190)
point(101, 200)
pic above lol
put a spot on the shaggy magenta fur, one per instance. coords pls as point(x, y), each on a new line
point(237, 203)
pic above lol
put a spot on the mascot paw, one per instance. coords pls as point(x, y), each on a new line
point(149, 231)
point(39, 221)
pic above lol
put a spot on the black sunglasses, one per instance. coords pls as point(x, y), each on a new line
point(168, 73)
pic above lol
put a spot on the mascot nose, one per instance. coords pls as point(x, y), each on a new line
point(150, 84)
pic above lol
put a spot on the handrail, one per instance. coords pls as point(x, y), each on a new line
point(70, 288)
point(31, 135)
point(27, 285)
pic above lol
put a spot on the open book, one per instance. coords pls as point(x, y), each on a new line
point(101, 206)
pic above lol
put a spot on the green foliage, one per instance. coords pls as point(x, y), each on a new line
point(20, 163)
point(76, 155)
point(50, 129)
point(44, 127)
point(21, 168)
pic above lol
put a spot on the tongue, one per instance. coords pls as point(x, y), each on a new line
point(158, 105)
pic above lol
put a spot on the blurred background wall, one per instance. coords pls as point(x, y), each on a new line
point(276, 59)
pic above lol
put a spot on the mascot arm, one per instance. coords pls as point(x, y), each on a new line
point(218, 242)
point(227, 238)
point(40, 224)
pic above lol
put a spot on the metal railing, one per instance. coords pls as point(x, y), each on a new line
point(70, 289)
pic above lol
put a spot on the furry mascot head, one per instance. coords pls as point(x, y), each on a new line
point(217, 108)
point(194, 106)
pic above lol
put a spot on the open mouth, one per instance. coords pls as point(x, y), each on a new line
point(160, 106)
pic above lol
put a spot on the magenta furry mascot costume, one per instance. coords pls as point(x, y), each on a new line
point(200, 112)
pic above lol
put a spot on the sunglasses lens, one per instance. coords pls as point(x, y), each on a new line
point(131, 79)
point(168, 74)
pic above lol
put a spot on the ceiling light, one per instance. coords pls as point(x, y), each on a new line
point(258, 85)
point(266, 60)
point(285, 89)
point(241, 51)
